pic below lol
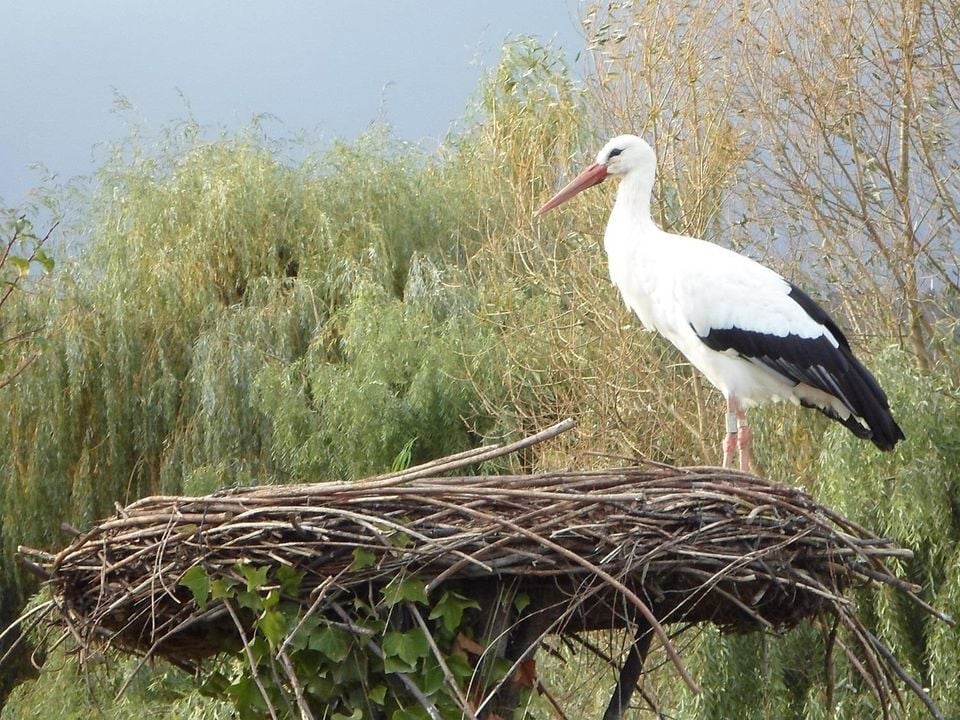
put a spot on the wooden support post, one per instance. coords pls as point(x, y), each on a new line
point(630, 672)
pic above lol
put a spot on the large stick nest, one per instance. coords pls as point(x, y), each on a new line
point(592, 549)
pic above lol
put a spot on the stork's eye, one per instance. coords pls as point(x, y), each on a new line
point(613, 154)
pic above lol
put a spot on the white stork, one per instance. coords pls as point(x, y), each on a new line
point(753, 334)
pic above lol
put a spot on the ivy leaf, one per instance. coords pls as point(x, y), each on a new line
point(271, 599)
point(362, 558)
point(394, 664)
point(222, 588)
point(409, 646)
point(399, 539)
point(521, 601)
point(332, 641)
point(378, 694)
point(357, 714)
point(321, 687)
point(289, 580)
point(243, 693)
point(353, 671)
point(273, 625)
point(260, 648)
point(450, 609)
point(255, 576)
point(501, 666)
point(460, 667)
point(306, 628)
point(197, 580)
point(250, 600)
point(432, 679)
point(399, 590)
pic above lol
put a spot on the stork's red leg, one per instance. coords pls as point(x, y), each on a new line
point(744, 441)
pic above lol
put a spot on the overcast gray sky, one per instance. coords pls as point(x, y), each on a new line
point(328, 68)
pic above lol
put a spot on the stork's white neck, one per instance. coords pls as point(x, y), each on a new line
point(632, 245)
point(632, 206)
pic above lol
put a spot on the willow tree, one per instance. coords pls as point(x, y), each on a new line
point(236, 318)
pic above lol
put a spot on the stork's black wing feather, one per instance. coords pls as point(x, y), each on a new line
point(816, 312)
point(818, 363)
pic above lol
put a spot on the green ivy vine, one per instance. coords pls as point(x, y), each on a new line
point(399, 653)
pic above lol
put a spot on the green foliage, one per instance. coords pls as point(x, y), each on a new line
point(238, 319)
point(405, 589)
point(400, 374)
point(762, 668)
point(23, 259)
point(23, 250)
point(451, 607)
point(198, 582)
point(362, 665)
point(912, 496)
point(69, 692)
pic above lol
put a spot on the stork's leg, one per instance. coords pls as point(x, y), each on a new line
point(730, 441)
point(744, 441)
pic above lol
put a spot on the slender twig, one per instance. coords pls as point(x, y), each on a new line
point(291, 672)
point(151, 652)
point(448, 676)
point(42, 610)
point(248, 651)
point(904, 675)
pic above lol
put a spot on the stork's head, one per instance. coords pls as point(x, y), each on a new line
point(624, 155)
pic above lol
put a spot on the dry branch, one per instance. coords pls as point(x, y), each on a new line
point(592, 549)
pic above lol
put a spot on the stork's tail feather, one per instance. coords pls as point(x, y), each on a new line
point(874, 407)
point(882, 432)
point(892, 434)
point(868, 406)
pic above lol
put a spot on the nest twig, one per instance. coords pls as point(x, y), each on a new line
point(641, 545)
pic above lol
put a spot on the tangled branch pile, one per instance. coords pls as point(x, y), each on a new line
point(592, 549)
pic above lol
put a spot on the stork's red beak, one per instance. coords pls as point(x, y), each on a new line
point(593, 175)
